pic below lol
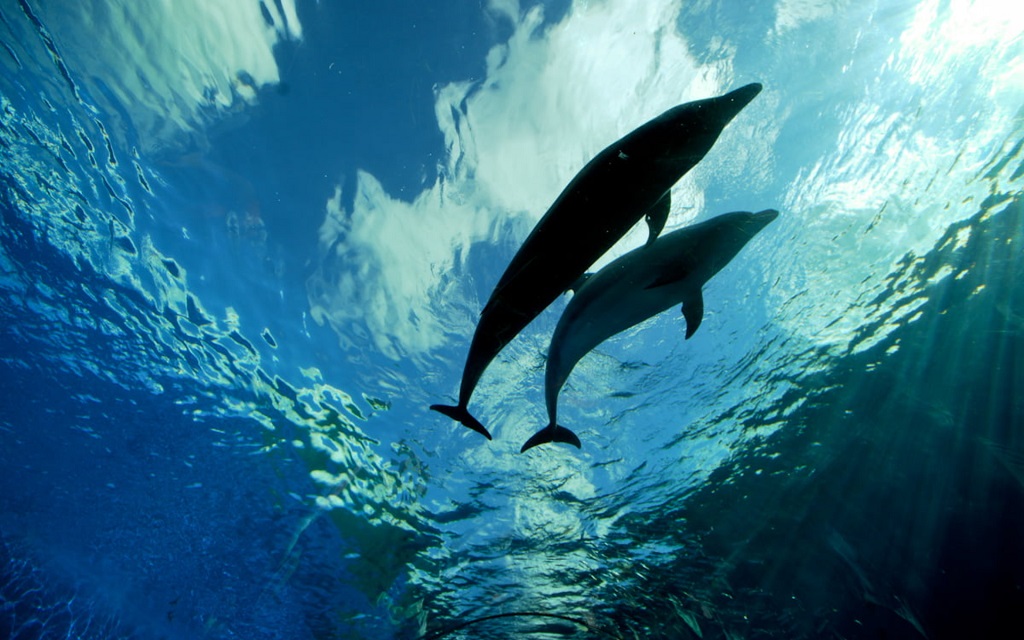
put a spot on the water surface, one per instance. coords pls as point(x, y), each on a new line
point(243, 246)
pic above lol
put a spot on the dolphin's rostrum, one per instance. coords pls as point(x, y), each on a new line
point(636, 286)
point(629, 180)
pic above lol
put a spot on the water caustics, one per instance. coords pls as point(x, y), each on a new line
point(88, 290)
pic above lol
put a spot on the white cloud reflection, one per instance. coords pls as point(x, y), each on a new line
point(171, 65)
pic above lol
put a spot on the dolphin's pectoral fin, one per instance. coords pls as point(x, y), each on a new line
point(462, 415)
point(693, 311)
point(657, 217)
point(552, 433)
point(575, 286)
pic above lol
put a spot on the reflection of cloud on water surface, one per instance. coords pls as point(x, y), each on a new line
point(170, 66)
point(383, 267)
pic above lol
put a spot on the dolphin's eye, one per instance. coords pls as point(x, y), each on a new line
point(623, 156)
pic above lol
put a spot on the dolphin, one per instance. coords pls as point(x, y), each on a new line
point(637, 286)
point(629, 180)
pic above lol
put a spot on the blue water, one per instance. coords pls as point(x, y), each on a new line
point(243, 247)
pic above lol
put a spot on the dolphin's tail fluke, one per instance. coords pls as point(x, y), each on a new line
point(552, 433)
point(461, 414)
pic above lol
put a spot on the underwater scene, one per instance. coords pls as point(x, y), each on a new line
point(488, 319)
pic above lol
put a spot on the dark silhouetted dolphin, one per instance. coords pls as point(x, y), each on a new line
point(627, 181)
point(636, 286)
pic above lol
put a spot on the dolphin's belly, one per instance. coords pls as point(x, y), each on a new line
point(589, 321)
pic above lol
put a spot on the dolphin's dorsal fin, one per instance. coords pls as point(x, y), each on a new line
point(693, 311)
point(657, 217)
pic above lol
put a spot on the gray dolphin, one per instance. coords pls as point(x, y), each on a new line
point(629, 180)
point(636, 286)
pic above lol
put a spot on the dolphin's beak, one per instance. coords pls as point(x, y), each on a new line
point(734, 101)
point(761, 219)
